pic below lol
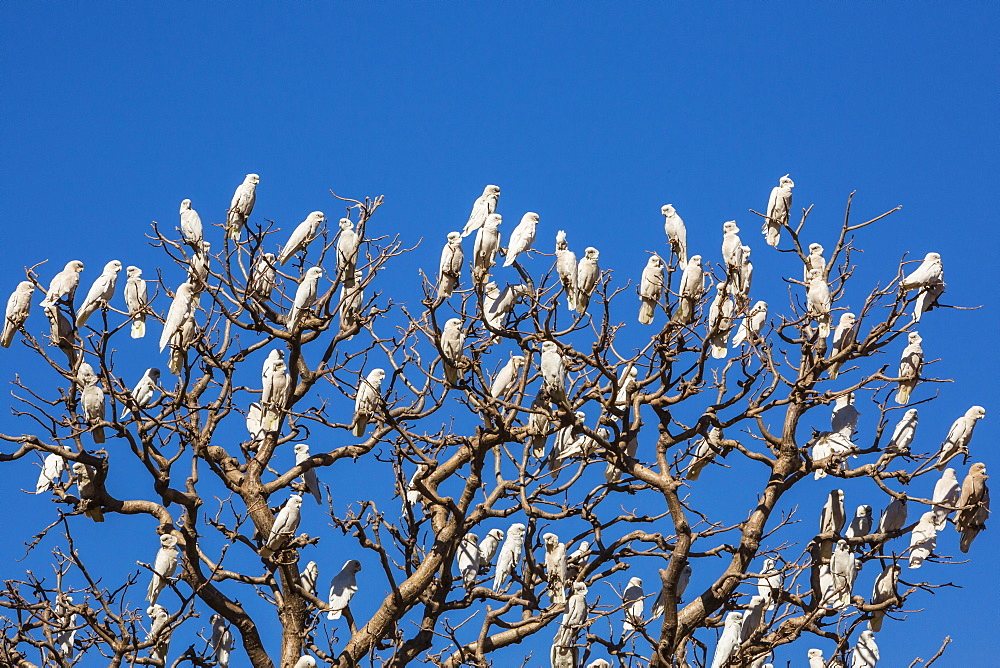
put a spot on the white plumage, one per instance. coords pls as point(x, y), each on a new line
point(262, 278)
point(553, 372)
point(819, 301)
point(450, 268)
point(959, 436)
point(64, 284)
point(903, 433)
point(366, 401)
point(191, 227)
point(650, 289)
point(673, 226)
point(306, 295)
point(483, 207)
point(136, 300)
point(284, 527)
point(720, 320)
point(510, 557)
point(729, 641)
point(633, 606)
point(522, 238)
point(947, 492)
point(566, 267)
point(222, 641)
point(779, 205)
point(301, 236)
point(163, 567)
point(587, 274)
point(452, 342)
point(309, 477)
point(484, 250)
point(691, 290)
point(242, 206)
point(843, 337)
point(555, 567)
point(343, 587)
point(506, 378)
point(469, 559)
point(18, 306)
point(909, 368)
point(52, 470)
point(352, 300)
point(142, 393)
point(181, 310)
point(348, 245)
point(100, 293)
point(923, 539)
point(751, 325)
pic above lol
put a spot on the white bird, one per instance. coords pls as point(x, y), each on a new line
point(343, 587)
point(366, 401)
point(67, 620)
point(843, 338)
point(861, 523)
point(469, 559)
point(158, 630)
point(489, 545)
point(61, 332)
point(732, 253)
point(284, 527)
point(262, 278)
point(100, 293)
point(692, 289)
point(676, 233)
point(752, 617)
point(351, 302)
point(52, 470)
point(650, 289)
point(720, 320)
point(136, 300)
point(580, 554)
point(831, 520)
point(254, 425)
point(306, 295)
point(163, 567)
point(866, 653)
point(779, 205)
point(843, 570)
point(587, 274)
point(484, 250)
point(522, 238)
point(510, 557)
point(884, 590)
point(142, 393)
point(539, 426)
point(704, 453)
point(947, 492)
point(659, 605)
point(64, 284)
point(574, 618)
point(18, 306)
point(844, 416)
point(276, 390)
point(974, 490)
point(497, 304)
point(506, 378)
point(819, 301)
point(568, 443)
point(909, 368)
point(305, 661)
point(553, 368)
point(94, 408)
point(970, 521)
point(816, 659)
point(555, 567)
point(633, 606)
point(191, 227)
point(903, 433)
point(178, 350)
point(484, 206)
point(181, 310)
point(929, 273)
point(566, 267)
point(222, 640)
point(769, 583)
point(309, 577)
point(927, 299)
point(309, 477)
point(959, 436)
point(814, 260)
point(626, 386)
point(301, 236)
point(452, 342)
point(199, 268)
point(923, 539)
point(749, 328)
point(348, 245)
point(86, 489)
point(729, 641)
point(450, 268)
point(746, 278)
point(894, 516)
point(242, 206)
point(599, 663)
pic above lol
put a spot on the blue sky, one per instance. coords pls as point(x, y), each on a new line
point(591, 114)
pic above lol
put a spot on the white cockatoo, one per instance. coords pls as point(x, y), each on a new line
point(181, 310)
point(568, 443)
point(343, 587)
point(351, 302)
point(484, 250)
point(488, 547)
point(553, 372)
point(497, 304)
point(142, 393)
point(844, 416)
point(732, 253)
point(61, 332)
point(199, 268)
point(136, 300)
point(769, 583)
point(484, 206)
point(884, 590)
point(633, 606)
point(779, 205)
point(752, 617)
point(659, 605)
point(52, 470)
point(18, 306)
point(588, 272)
point(903, 433)
point(452, 342)
point(539, 426)
point(242, 206)
point(276, 389)
point(729, 641)
point(469, 557)
point(909, 368)
point(366, 401)
point(522, 238)
point(100, 293)
point(178, 348)
point(844, 337)
point(927, 298)
point(309, 476)
point(819, 301)
point(894, 516)
point(865, 654)
point(692, 289)
point(306, 295)
point(814, 260)
point(262, 278)
point(705, 452)
point(676, 233)
point(566, 267)
point(348, 245)
point(947, 492)
point(555, 567)
point(506, 378)
point(67, 621)
point(509, 558)
point(843, 571)
point(305, 661)
point(309, 577)
point(971, 518)
point(861, 523)
point(599, 663)
point(720, 320)
point(929, 273)
point(63, 284)
point(749, 328)
point(284, 527)
point(159, 632)
point(816, 659)
point(301, 236)
point(94, 407)
point(163, 567)
point(191, 227)
point(626, 386)
point(829, 444)
point(222, 640)
point(923, 539)
point(574, 618)
point(957, 441)
point(86, 489)
point(254, 421)
point(831, 520)
point(650, 289)
point(450, 268)
point(746, 278)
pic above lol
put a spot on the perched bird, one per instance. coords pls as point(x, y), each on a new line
point(52, 470)
point(650, 289)
point(178, 349)
point(94, 408)
point(284, 527)
point(779, 206)
point(659, 605)
point(732, 253)
point(752, 617)
point(555, 567)
point(276, 390)
point(973, 492)
point(828, 449)
point(553, 372)
point(884, 590)
point(574, 618)
point(506, 378)
point(539, 426)
point(484, 250)
point(959, 436)
point(947, 492)
point(564, 657)
point(844, 416)
point(923, 539)
point(692, 289)
point(816, 659)
point(306, 295)
point(729, 641)
point(199, 268)
point(159, 632)
point(452, 342)
point(343, 587)
point(720, 320)
point(973, 521)
point(676, 233)
point(305, 661)
point(580, 554)
point(843, 338)
point(181, 310)
point(348, 244)
point(309, 476)
point(567, 444)
point(254, 418)
point(843, 571)
point(909, 368)
point(522, 238)
point(136, 300)
point(100, 293)
point(831, 520)
point(351, 302)
point(366, 401)
point(488, 547)
point(769, 583)
point(61, 332)
point(261, 282)
point(749, 328)
point(497, 304)
point(484, 206)
point(222, 639)
point(903, 433)
point(163, 567)
point(929, 273)
point(705, 452)
point(142, 393)
point(301, 236)
point(18, 306)
point(819, 301)
point(86, 489)
point(866, 653)
point(566, 267)
point(242, 206)
point(469, 559)
point(309, 577)
point(191, 227)
point(587, 274)
point(452, 259)
point(510, 557)
point(746, 278)
point(814, 260)
point(894, 516)
point(861, 524)
point(633, 606)
point(626, 386)
point(63, 284)
point(599, 663)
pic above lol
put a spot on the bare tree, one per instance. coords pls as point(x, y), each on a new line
point(598, 448)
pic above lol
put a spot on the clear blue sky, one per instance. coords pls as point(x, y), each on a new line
point(591, 114)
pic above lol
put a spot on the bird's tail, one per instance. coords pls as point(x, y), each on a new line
point(98, 434)
point(903, 394)
point(8, 334)
point(360, 425)
point(646, 311)
point(139, 327)
point(582, 302)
